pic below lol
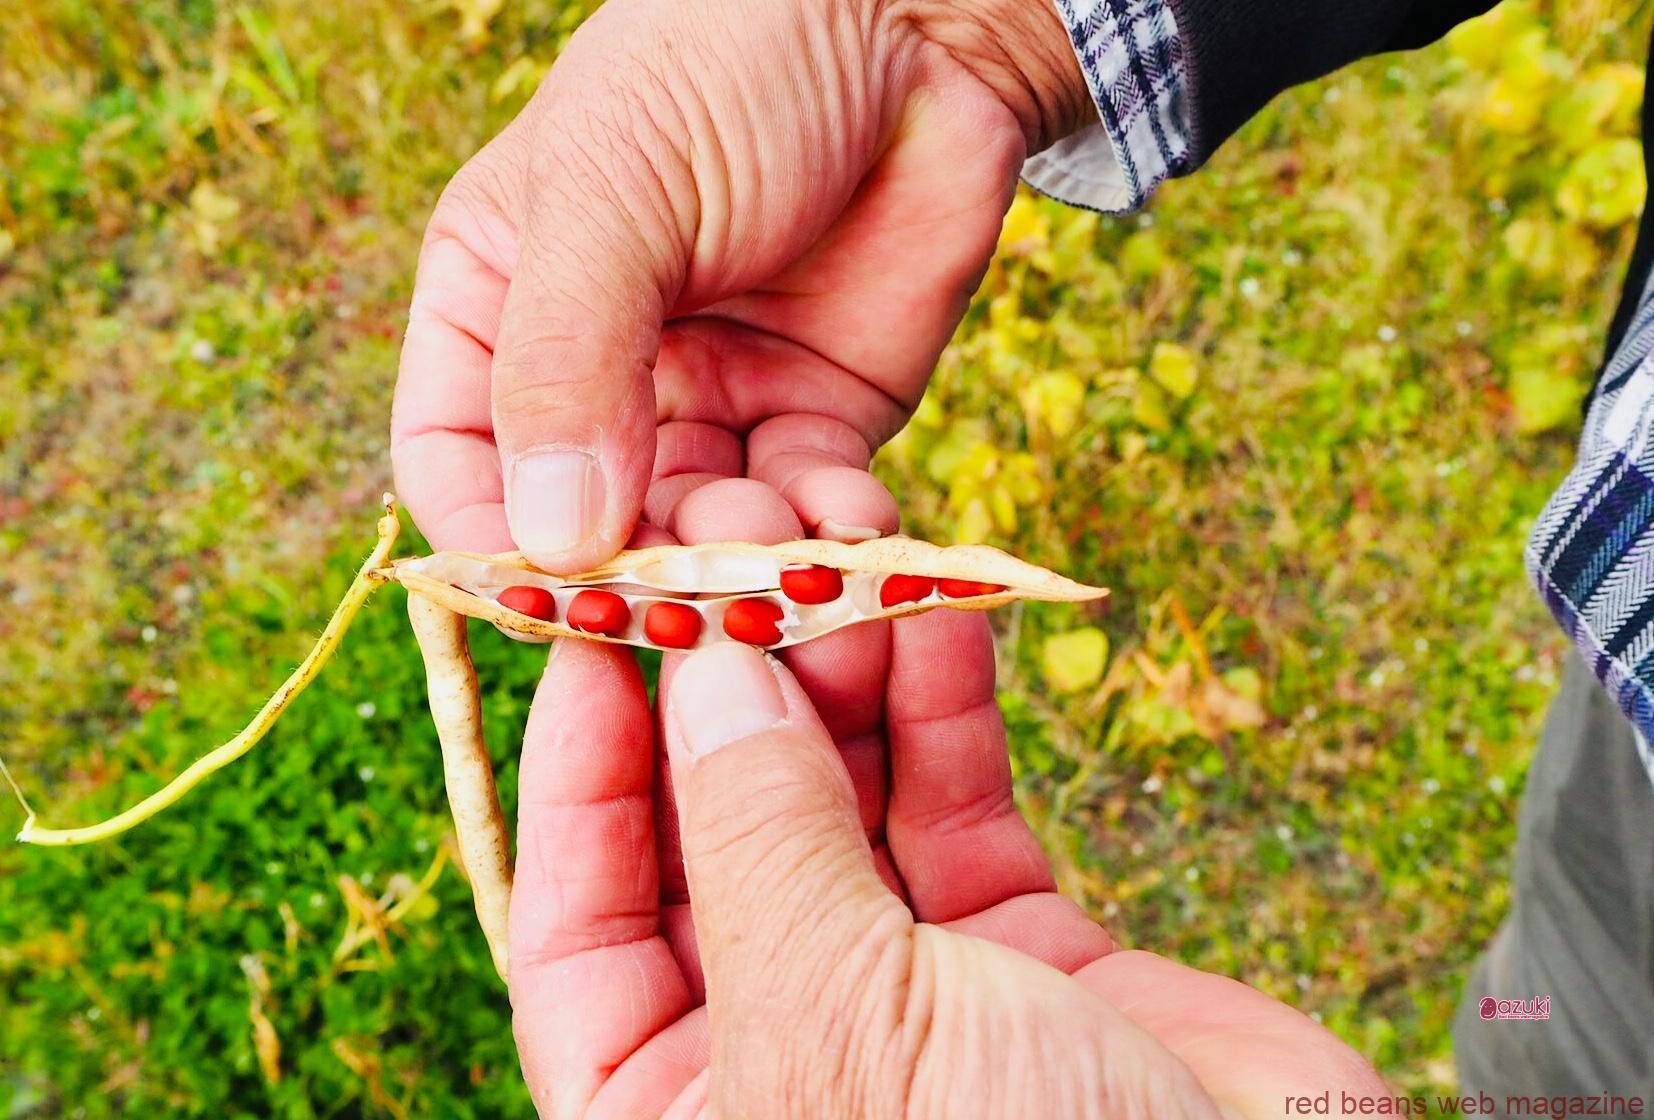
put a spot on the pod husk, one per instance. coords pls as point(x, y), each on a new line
point(441, 577)
point(479, 823)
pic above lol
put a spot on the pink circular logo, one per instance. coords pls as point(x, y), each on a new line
point(1489, 1007)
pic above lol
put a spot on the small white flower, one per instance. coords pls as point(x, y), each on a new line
point(1191, 874)
point(366, 710)
point(1283, 832)
point(1249, 287)
point(203, 351)
point(1386, 333)
point(1151, 784)
point(365, 773)
point(149, 633)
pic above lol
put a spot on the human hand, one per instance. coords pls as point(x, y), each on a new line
point(927, 969)
point(723, 238)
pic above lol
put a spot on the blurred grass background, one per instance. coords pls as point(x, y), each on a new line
point(1299, 416)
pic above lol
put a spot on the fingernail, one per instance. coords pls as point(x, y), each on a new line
point(556, 500)
point(724, 694)
point(834, 530)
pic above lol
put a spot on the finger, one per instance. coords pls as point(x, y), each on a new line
point(734, 509)
point(662, 1075)
point(1268, 1050)
point(573, 399)
point(953, 827)
point(819, 465)
point(719, 510)
point(1047, 927)
point(442, 443)
point(591, 979)
point(688, 456)
point(779, 867)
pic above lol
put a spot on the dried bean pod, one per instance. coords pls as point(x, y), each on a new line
point(884, 578)
point(479, 823)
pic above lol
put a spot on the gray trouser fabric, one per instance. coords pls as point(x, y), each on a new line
point(1581, 927)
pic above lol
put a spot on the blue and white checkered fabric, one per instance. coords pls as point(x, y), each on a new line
point(1133, 61)
point(1592, 552)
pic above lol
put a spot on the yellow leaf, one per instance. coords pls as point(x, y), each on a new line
point(475, 16)
point(1054, 400)
point(1149, 407)
point(1075, 660)
point(975, 524)
point(1529, 63)
point(1026, 229)
point(523, 74)
point(1511, 108)
point(1004, 509)
point(1544, 398)
point(1173, 367)
point(1605, 187)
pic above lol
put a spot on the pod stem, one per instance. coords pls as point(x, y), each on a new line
point(368, 578)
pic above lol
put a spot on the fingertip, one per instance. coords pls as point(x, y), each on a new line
point(843, 502)
point(735, 509)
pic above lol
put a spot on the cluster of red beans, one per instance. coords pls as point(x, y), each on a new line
point(756, 621)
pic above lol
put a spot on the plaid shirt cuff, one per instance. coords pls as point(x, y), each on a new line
point(1133, 60)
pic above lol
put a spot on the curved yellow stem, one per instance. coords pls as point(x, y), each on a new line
point(367, 579)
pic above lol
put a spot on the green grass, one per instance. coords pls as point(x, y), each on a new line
point(1299, 765)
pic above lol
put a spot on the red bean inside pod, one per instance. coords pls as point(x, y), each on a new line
point(967, 588)
point(672, 625)
point(811, 583)
point(899, 589)
point(599, 612)
point(536, 602)
point(754, 621)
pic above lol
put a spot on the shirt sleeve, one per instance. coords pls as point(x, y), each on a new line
point(1174, 79)
point(1132, 56)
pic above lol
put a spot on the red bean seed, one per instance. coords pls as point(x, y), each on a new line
point(811, 583)
point(967, 588)
point(536, 602)
point(599, 612)
point(896, 590)
point(754, 621)
point(672, 625)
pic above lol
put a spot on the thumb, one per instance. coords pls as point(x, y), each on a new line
point(572, 391)
point(786, 900)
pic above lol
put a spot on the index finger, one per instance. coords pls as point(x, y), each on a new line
point(592, 979)
point(442, 434)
